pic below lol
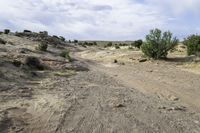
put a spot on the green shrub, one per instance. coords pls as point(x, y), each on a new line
point(90, 44)
point(109, 44)
point(75, 41)
point(157, 44)
point(193, 44)
point(42, 46)
point(95, 43)
point(85, 43)
point(117, 47)
point(6, 31)
point(66, 55)
point(124, 44)
point(137, 43)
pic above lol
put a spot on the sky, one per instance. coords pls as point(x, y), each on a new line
point(101, 19)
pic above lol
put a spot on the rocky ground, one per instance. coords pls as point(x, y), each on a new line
point(93, 94)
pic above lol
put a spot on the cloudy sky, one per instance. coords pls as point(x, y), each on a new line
point(101, 19)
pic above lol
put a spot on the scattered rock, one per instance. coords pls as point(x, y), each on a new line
point(77, 66)
point(196, 122)
point(173, 98)
point(17, 63)
point(115, 61)
point(33, 74)
point(25, 92)
point(181, 108)
point(19, 34)
point(177, 108)
point(142, 60)
point(150, 71)
point(120, 105)
point(11, 43)
point(24, 50)
point(122, 63)
point(2, 41)
point(33, 62)
point(132, 59)
point(163, 107)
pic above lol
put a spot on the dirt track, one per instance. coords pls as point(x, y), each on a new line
point(94, 102)
point(101, 100)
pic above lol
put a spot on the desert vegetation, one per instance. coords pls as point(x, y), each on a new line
point(42, 46)
point(137, 43)
point(158, 44)
point(66, 55)
point(193, 44)
point(50, 84)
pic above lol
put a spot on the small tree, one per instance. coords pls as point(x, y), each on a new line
point(158, 45)
point(6, 31)
point(193, 44)
point(137, 43)
point(62, 38)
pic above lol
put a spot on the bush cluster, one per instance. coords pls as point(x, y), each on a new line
point(87, 43)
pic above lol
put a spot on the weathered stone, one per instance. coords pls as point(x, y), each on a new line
point(142, 60)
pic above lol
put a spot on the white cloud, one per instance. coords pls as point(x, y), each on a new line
point(175, 6)
point(94, 19)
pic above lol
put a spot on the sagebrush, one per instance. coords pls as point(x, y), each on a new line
point(66, 54)
point(42, 46)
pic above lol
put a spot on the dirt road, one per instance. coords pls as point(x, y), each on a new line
point(106, 99)
point(95, 102)
point(165, 80)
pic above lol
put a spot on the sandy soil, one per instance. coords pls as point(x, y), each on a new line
point(109, 97)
